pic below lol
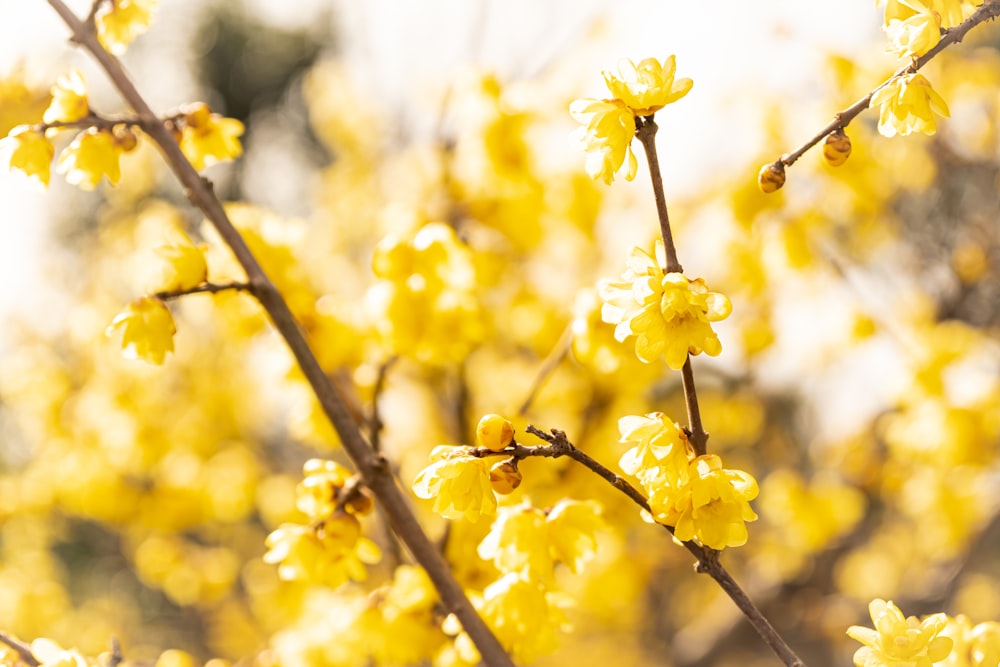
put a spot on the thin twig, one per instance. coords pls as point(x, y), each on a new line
point(22, 649)
point(116, 653)
point(549, 364)
point(373, 467)
point(207, 288)
point(696, 431)
point(375, 427)
point(989, 10)
point(646, 132)
point(708, 559)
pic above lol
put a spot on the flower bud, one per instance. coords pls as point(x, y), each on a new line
point(197, 115)
point(837, 148)
point(771, 177)
point(125, 137)
point(505, 477)
point(361, 503)
point(494, 432)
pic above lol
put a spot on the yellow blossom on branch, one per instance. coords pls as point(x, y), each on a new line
point(712, 507)
point(185, 266)
point(208, 138)
point(658, 443)
point(330, 552)
point(458, 483)
point(606, 137)
point(908, 104)
point(669, 314)
point(899, 641)
point(147, 330)
point(93, 154)
point(69, 99)
point(29, 152)
point(914, 30)
point(119, 22)
point(647, 87)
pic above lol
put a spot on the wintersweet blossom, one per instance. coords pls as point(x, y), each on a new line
point(208, 138)
point(458, 483)
point(712, 507)
point(606, 137)
point(330, 552)
point(93, 154)
point(147, 330)
point(913, 35)
point(29, 152)
point(659, 444)
point(899, 641)
point(185, 265)
point(119, 22)
point(908, 104)
point(647, 87)
point(669, 314)
point(69, 99)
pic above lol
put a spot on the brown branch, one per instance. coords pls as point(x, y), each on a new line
point(116, 656)
point(549, 365)
point(372, 467)
point(708, 559)
point(207, 288)
point(989, 10)
point(375, 427)
point(646, 132)
point(22, 649)
point(696, 431)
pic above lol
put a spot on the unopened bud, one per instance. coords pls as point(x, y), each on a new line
point(494, 432)
point(197, 115)
point(125, 137)
point(361, 503)
point(771, 177)
point(837, 148)
point(505, 477)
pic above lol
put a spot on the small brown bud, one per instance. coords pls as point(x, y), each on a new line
point(505, 477)
point(361, 503)
point(771, 177)
point(837, 148)
point(125, 137)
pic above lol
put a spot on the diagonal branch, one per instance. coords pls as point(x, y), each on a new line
point(372, 467)
point(989, 10)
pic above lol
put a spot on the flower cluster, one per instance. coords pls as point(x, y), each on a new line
point(329, 550)
point(669, 314)
point(424, 303)
point(899, 641)
point(119, 22)
point(695, 495)
point(610, 124)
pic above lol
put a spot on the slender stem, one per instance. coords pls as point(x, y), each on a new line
point(708, 559)
point(646, 132)
point(990, 9)
point(549, 364)
point(207, 288)
point(373, 467)
point(696, 432)
point(22, 649)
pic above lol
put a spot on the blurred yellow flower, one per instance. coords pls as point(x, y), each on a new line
point(29, 152)
point(900, 642)
point(606, 137)
point(712, 507)
point(147, 330)
point(908, 104)
point(186, 266)
point(330, 552)
point(50, 654)
point(518, 542)
point(523, 617)
point(573, 525)
point(94, 153)
point(458, 483)
point(69, 99)
point(208, 138)
point(647, 87)
point(119, 22)
point(913, 35)
point(669, 314)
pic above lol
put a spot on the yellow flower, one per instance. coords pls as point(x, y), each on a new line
point(185, 266)
point(572, 527)
point(523, 617)
point(147, 330)
point(458, 483)
point(316, 495)
point(669, 314)
point(712, 507)
point(917, 33)
point(659, 445)
point(94, 153)
point(518, 542)
point(208, 138)
point(908, 104)
point(329, 553)
point(119, 22)
point(50, 654)
point(647, 87)
point(69, 99)
point(606, 137)
point(900, 642)
point(29, 152)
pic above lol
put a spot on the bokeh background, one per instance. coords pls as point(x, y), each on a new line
point(858, 381)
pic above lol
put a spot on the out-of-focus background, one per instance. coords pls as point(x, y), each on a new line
point(858, 382)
